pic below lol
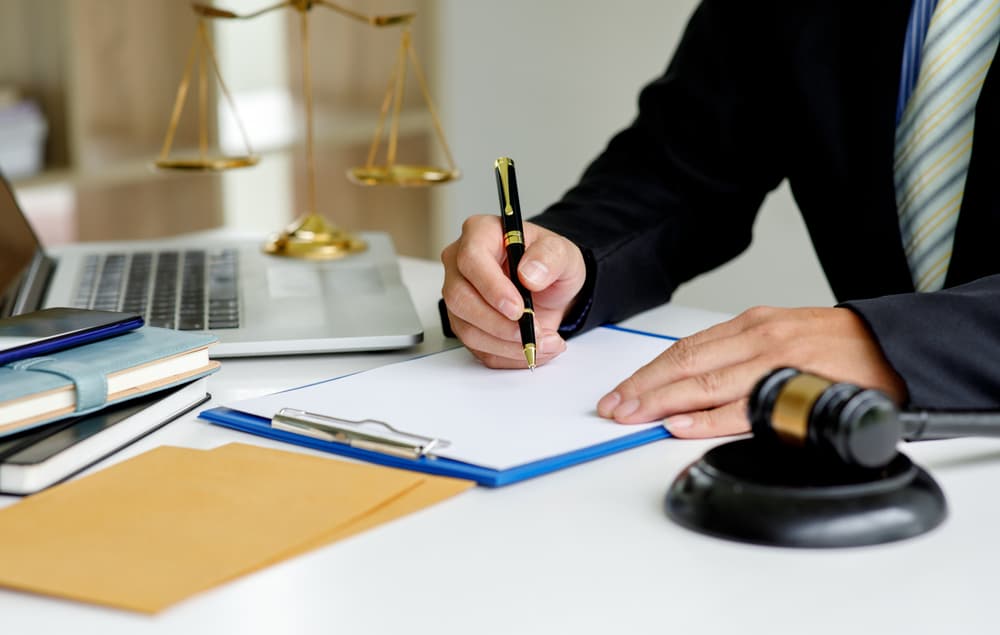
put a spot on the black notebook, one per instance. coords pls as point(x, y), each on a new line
point(44, 456)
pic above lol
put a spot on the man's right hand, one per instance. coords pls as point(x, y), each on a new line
point(483, 304)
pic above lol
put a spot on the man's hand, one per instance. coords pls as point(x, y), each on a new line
point(700, 384)
point(483, 304)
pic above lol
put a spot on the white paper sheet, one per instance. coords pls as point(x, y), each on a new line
point(493, 418)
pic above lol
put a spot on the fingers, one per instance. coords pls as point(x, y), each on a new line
point(477, 258)
point(483, 304)
point(730, 418)
point(704, 391)
point(688, 358)
point(473, 318)
point(704, 370)
point(553, 265)
point(467, 306)
point(477, 284)
point(701, 384)
point(504, 362)
point(507, 352)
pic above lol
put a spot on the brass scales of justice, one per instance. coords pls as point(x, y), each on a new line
point(311, 236)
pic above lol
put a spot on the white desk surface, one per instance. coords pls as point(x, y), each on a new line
point(583, 550)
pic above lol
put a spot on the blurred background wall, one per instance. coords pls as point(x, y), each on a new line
point(547, 82)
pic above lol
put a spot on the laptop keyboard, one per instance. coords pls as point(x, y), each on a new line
point(190, 290)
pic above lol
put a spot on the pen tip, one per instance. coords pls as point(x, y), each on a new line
point(529, 355)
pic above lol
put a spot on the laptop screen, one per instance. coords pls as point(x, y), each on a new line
point(18, 247)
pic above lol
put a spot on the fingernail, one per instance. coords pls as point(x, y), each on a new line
point(626, 408)
point(533, 271)
point(607, 403)
point(680, 422)
point(509, 309)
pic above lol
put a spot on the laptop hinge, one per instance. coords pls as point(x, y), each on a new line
point(31, 293)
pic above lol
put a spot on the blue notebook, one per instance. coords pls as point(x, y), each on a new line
point(77, 381)
point(446, 414)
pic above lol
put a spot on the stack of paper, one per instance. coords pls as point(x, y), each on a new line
point(501, 427)
point(153, 530)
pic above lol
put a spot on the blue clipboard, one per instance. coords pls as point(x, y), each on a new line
point(260, 426)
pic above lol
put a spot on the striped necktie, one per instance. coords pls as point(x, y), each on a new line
point(934, 132)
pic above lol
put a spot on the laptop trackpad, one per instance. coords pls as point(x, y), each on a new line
point(300, 280)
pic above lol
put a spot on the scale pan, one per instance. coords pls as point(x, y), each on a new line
point(208, 164)
point(405, 175)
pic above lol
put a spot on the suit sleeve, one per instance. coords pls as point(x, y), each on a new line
point(676, 193)
point(945, 345)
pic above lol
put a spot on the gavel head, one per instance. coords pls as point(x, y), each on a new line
point(857, 426)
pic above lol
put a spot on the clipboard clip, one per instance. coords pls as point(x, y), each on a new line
point(367, 434)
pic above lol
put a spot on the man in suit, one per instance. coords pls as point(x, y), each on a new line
point(878, 148)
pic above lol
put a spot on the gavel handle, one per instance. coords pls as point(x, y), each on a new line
point(929, 424)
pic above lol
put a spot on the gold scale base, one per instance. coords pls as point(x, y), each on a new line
point(313, 238)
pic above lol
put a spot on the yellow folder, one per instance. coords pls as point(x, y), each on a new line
point(162, 526)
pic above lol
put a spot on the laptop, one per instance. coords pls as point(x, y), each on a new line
point(256, 304)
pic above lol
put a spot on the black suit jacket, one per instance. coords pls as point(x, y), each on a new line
point(762, 91)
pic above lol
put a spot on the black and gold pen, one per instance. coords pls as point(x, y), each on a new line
point(513, 240)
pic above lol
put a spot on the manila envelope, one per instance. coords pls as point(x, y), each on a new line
point(150, 531)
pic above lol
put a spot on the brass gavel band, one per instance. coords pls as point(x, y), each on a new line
point(790, 417)
point(512, 238)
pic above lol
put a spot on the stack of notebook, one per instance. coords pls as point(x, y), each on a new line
point(64, 411)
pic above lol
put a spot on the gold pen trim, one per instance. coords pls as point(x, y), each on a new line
point(513, 238)
point(503, 164)
point(529, 355)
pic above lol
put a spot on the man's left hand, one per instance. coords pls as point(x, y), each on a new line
point(700, 385)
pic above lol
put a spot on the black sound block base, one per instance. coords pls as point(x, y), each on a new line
point(771, 494)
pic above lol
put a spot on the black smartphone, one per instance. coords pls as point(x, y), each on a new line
point(50, 330)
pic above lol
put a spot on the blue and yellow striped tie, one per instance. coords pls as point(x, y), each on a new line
point(934, 133)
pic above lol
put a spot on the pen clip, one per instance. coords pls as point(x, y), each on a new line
point(354, 433)
point(503, 165)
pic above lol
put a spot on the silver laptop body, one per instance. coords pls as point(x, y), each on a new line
point(256, 304)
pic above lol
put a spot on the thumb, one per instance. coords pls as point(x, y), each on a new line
point(551, 264)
